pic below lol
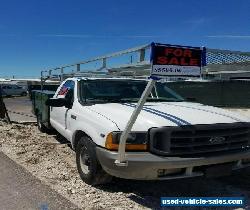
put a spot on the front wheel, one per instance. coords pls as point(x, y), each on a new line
point(87, 163)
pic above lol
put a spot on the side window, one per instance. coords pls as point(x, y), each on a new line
point(67, 90)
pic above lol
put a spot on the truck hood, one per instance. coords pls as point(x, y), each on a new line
point(166, 114)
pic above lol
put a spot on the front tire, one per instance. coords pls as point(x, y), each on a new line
point(87, 163)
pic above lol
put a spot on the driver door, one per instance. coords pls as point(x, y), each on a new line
point(59, 115)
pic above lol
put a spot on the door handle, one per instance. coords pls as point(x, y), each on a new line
point(73, 117)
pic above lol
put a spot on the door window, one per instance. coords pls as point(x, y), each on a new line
point(67, 90)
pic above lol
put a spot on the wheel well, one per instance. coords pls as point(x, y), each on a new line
point(77, 137)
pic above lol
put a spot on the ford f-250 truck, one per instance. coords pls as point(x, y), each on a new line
point(171, 138)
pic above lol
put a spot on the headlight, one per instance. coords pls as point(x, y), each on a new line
point(135, 141)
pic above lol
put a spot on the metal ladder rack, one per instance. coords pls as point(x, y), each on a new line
point(140, 68)
point(217, 59)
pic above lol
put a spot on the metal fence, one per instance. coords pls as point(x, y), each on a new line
point(226, 64)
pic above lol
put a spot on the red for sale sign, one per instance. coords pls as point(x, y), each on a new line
point(173, 60)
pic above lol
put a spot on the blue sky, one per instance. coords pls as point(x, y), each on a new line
point(36, 35)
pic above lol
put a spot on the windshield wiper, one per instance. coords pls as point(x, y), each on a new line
point(123, 100)
point(113, 100)
point(164, 100)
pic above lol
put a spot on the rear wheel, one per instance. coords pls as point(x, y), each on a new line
point(88, 166)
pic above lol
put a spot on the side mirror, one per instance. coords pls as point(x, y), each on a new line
point(58, 102)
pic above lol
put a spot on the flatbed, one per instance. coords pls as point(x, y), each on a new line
point(40, 109)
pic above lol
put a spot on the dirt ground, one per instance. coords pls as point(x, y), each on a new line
point(49, 158)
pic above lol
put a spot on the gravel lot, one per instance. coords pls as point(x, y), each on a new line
point(50, 159)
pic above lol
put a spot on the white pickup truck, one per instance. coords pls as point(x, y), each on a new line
point(171, 138)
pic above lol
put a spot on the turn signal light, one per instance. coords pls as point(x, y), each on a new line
point(110, 145)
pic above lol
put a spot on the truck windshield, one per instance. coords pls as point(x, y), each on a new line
point(123, 91)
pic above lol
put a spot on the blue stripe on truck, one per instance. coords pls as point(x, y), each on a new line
point(178, 121)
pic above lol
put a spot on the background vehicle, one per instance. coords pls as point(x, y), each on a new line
point(13, 90)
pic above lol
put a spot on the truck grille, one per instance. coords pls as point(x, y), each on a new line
point(199, 140)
